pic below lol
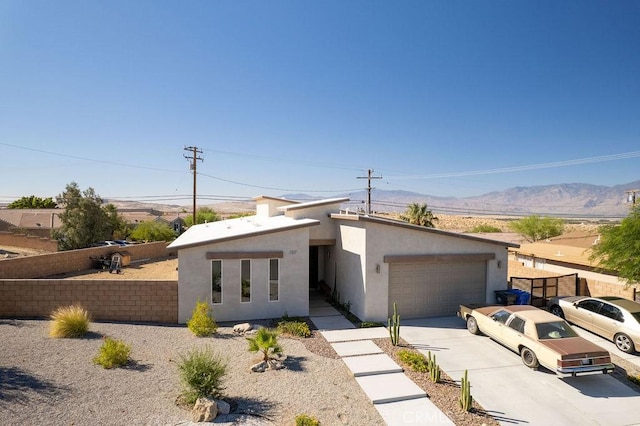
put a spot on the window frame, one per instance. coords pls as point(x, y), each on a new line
point(242, 279)
point(277, 299)
point(213, 302)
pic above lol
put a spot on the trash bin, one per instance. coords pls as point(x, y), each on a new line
point(522, 297)
point(506, 297)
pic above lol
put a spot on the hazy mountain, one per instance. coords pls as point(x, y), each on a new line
point(569, 200)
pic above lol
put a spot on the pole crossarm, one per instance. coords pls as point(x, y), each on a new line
point(368, 177)
point(194, 166)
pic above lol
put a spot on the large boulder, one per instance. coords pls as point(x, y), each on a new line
point(205, 410)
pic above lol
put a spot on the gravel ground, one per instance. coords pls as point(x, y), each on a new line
point(54, 381)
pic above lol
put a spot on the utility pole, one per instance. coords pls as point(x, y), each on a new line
point(368, 178)
point(194, 161)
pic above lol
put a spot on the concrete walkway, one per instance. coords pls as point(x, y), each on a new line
point(398, 399)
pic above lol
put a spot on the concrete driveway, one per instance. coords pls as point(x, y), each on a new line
point(515, 394)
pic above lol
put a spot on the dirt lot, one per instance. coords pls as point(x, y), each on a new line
point(157, 269)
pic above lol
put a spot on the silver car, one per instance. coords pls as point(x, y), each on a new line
point(613, 318)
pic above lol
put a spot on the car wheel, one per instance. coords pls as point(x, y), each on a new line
point(624, 343)
point(472, 325)
point(557, 311)
point(529, 358)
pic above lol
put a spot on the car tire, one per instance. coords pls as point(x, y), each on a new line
point(472, 325)
point(557, 311)
point(624, 343)
point(529, 358)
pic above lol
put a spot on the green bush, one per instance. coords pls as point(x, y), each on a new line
point(201, 373)
point(370, 324)
point(415, 360)
point(306, 420)
point(69, 321)
point(295, 328)
point(485, 228)
point(113, 353)
point(202, 323)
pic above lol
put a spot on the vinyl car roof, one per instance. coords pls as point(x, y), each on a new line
point(627, 304)
point(531, 313)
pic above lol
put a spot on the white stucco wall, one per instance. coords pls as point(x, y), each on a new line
point(195, 278)
point(365, 244)
point(326, 229)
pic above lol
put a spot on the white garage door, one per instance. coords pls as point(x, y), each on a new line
point(435, 289)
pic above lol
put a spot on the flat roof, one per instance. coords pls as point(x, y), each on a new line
point(315, 203)
point(232, 229)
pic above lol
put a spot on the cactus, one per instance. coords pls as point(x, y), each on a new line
point(466, 400)
point(394, 326)
point(434, 369)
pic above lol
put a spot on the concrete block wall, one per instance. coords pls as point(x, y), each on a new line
point(28, 241)
point(46, 265)
point(117, 300)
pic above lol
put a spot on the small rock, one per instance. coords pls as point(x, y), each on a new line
point(223, 407)
point(259, 367)
point(242, 328)
point(205, 410)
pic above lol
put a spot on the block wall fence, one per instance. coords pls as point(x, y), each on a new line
point(116, 300)
point(46, 265)
point(28, 241)
point(25, 294)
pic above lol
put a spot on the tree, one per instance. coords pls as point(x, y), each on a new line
point(33, 202)
point(153, 231)
point(418, 214)
point(534, 228)
point(118, 226)
point(84, 221)
point(619, 248)
point(203, 215)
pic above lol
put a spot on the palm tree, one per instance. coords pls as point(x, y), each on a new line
point(418, 214)
point(266, 342)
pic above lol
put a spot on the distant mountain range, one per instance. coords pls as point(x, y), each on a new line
point(569, 200)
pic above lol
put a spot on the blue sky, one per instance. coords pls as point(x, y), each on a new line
point(444, 98)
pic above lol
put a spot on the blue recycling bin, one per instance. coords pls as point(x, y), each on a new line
point(522, 297)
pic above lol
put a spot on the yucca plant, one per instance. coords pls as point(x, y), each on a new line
point(201, 373)
point(69, 322)
point(202, 322)
point(113, 353)
point(265, 341)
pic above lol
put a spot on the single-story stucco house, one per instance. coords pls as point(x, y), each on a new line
point(266, 265)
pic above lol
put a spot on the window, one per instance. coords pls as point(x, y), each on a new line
point(590, 305)
point(612, 312)
point(517, 324)
point(554, 330)
point(216, 281)
point(274, 280)
point(245, 280)
point(501, 316)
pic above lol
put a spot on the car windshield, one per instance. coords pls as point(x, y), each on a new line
point(554, 330)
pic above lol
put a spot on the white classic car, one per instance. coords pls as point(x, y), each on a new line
point(539, 337)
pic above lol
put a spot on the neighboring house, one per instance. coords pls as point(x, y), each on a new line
point(264, 266)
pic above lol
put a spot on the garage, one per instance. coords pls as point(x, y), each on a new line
point(425, 289)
